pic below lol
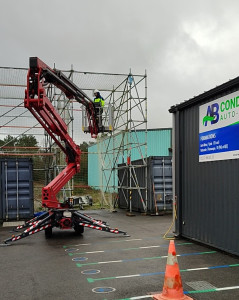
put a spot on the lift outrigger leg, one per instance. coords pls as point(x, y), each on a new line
point(87, 221)
point(32, 229)
point(32, 221)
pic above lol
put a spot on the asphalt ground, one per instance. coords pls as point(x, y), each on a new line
point(104, 266)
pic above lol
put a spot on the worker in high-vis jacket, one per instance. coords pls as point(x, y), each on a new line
point(99, 103)
point(98, 98)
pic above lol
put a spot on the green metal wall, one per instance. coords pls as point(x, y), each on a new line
point(158, 144)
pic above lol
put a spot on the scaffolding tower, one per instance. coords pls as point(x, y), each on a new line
point(119, 150)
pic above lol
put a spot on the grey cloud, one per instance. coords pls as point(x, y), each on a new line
point(186, 46)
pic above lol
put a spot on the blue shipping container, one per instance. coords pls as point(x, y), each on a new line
point(16, 189)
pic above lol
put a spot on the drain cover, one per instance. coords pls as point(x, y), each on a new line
point(200, 285)
point(13, 224)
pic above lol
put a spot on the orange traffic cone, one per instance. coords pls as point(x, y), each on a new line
point(172, 288)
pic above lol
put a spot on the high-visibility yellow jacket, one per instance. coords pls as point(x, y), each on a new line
point(100, 100)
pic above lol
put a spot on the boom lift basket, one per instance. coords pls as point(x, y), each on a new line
point(105, 118)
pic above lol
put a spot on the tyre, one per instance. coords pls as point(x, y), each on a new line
point(79, 229)
point(48, 232)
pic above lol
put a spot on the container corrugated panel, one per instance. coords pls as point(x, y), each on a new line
point(16, 189)
point(207, 193)
point(94, 175)
point(159, 186)
point(158, 144)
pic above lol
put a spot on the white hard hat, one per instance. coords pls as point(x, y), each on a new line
point(95, 92)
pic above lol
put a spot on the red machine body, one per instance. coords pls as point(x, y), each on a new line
point(65, 223)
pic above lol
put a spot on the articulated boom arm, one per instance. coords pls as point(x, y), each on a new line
point(37, 102)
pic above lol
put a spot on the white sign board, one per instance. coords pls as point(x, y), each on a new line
point(219, 129)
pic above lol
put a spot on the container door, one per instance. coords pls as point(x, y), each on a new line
point(16, 189)
point(162, 182)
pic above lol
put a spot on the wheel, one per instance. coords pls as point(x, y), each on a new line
point(48, 232)
point(79, 229)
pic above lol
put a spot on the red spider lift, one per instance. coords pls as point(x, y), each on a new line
point(60, 215)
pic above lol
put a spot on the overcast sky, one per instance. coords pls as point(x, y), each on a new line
point(186, 46)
